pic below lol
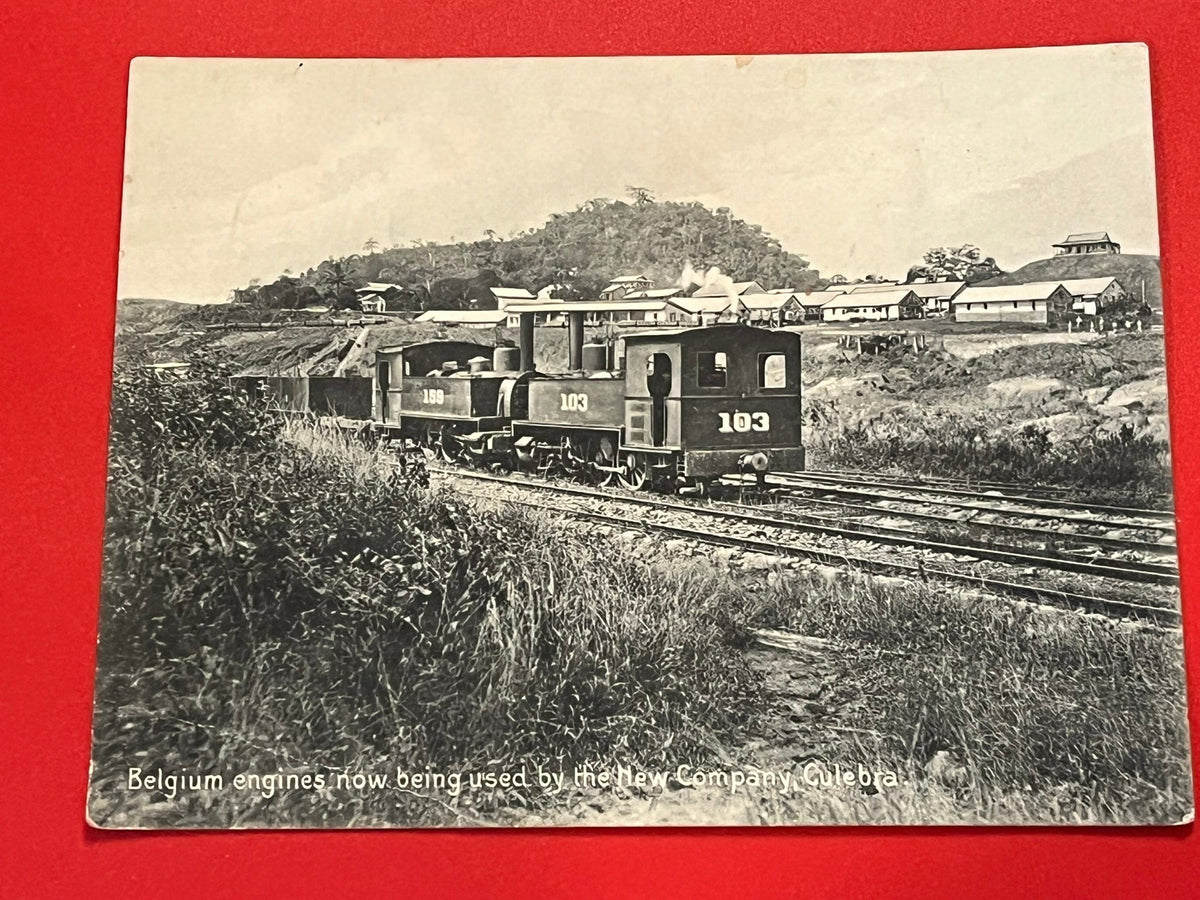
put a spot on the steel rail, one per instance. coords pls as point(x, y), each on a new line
point(1116, 569)
point(854, 481)
point(1049, 534)
point(1108, 607)
point(796, 482)
point(1075, 554)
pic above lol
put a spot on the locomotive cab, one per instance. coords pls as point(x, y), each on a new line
point(714, 400)
point(411, 377)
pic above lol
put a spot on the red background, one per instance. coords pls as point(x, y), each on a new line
point(62, 112)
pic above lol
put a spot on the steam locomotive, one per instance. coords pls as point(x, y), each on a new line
point(662, 408)
point(665, 408)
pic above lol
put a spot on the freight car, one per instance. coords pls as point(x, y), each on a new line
point(661, 408)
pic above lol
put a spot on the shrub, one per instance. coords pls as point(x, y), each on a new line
point(274, 592)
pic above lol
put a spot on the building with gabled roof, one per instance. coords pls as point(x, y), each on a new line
point(470, 318)
point(709, 310)
point(1037, 302)
point(935, 295)
point(781, 306)
point(874, 306)
point(379, 287)
point(1091, 296)
point(1087, 242)
point(737, 289)
point(814, 301)
point(623, 285)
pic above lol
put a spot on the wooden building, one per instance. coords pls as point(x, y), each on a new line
point(935, 295)
point(1087, 242)
point(873, 306)
point(469, 318)
point(774, 308)
point(1039, 302)
point(619, 287)
point(1093, 296)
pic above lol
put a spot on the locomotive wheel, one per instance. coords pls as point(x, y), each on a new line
point(449, 448)
point(426, 441)
point(571, 458)
point(602, 454)
point(635, 473)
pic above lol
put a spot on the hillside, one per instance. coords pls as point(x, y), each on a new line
point(1131, 269)
point(582, 249)
point(141, 312)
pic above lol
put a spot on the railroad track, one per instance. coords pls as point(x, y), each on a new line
point(1050, 536)
point(1113, 569)
point(1013, 506)
point(903, 535)
point(1034, 491)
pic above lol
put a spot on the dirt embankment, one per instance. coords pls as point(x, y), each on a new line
point(318, 350)
point(1073, 388)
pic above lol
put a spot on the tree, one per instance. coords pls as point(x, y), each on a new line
point(963, 263)
point(583, 248)
point(640, 195)
point(336, 274)
point(371, 245)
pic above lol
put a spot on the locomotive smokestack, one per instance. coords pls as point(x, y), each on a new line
point(574, 341)
point(526, 342)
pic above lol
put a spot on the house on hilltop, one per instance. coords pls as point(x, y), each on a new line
point(1087, 242)
point(374, 295)
point(1039, 302)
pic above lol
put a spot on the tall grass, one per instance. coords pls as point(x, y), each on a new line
point(1010, 711)
point(279, 599)
point(276, 598)
point(918, 441)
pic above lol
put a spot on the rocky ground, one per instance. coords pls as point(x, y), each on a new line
point(1070, 386)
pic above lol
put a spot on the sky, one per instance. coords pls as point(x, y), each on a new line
point(240, 169)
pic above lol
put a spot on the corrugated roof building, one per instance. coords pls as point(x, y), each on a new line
point(1088, 242)
point(873, 306)
point(737, 289)
point(1037, 302)
point(935, 295)
point(471, 318)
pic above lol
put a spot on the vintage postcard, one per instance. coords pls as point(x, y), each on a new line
point(635, 441)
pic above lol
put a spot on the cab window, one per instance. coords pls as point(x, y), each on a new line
point(710, 369)
point(772, 371)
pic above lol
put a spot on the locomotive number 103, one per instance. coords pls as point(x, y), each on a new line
point(573, 402)
point(737, 422)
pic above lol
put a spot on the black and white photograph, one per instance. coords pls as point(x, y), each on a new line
point(696, 441)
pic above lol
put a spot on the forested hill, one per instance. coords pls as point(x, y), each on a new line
point(583, 249)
